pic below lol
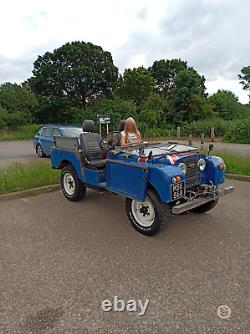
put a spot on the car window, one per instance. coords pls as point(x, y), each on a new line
point(56, 132)
point(40, 132)
point(47, 132)
point(72, 132)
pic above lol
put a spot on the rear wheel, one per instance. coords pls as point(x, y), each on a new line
point(206, 207)
point(147, 216)
point(72, 188)
point(39, 151)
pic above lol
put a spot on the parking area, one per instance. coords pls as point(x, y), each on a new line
point(60, 260)
point(16, 152)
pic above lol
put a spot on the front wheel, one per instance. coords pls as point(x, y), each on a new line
point(72, 188)
point(206, 207)
point(147, 216)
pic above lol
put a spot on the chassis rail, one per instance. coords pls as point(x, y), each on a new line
point(194, 203)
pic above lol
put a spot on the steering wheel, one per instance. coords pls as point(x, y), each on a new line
point(111, 140)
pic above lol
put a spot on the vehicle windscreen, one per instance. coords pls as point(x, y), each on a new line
point(163, 149)
point(71, 132)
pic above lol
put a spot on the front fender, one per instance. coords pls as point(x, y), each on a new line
point(160, 178)
point(212, 173)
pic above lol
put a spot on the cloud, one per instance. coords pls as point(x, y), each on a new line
point(211, 35)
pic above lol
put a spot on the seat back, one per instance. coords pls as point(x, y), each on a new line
point(122, 125)
point(90, 142)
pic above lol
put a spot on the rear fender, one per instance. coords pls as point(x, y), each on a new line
point(60, 158)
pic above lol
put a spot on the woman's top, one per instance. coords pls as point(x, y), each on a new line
point(131, 136)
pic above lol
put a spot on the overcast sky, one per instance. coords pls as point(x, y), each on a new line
point(212, 35)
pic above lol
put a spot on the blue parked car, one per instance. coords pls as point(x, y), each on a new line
point(44, 139)
point(156, 180)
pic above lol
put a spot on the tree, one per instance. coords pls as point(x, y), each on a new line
point(187, 84)
point(164, 72)
point(136, 84)
point(77, 72)
point(245, 77)
point(152, 113)
point(226, 104)
point(15, 98)
point(52, 110)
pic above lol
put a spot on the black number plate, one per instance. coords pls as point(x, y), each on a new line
point(177, 190)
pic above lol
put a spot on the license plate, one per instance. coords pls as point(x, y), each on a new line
point(177, 190)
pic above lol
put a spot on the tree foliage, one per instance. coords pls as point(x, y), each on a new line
point(16, 99)
point(164, 72)
point(136, 85)
point(244, 77)
point(76, 71)
point(188, 86)
point(226, 104)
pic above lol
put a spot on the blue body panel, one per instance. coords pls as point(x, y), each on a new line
point(160, 178)
point(129, 176)
point(60, 157)
point(212, 172)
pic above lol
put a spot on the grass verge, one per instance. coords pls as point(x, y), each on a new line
point(235, 164)
point(22, 177)
point(25, 132)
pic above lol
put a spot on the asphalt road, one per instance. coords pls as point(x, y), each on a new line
point(60, 260)
point(16, 151)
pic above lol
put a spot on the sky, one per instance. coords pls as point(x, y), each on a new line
point(211, 35)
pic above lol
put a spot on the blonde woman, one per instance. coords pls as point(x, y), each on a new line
point(130, 135)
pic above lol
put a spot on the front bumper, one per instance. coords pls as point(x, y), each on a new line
point(194, 203)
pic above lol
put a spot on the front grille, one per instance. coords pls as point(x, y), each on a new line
point(192, 174)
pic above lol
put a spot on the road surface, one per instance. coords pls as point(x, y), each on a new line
point(60, 260)
point(16, 152)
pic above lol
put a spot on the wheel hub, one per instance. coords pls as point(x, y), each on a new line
point(143, 212)
point(69, 184)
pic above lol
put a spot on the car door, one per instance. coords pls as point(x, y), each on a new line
point(47, 140)
point(128, 179)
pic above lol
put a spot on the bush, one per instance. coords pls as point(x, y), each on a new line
point(204, 126)
point(239, 131)
point(20, 133)
point(11, 120)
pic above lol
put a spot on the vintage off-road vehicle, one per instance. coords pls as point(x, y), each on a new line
point(157, 180)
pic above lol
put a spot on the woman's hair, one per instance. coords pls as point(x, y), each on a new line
point(130, 127)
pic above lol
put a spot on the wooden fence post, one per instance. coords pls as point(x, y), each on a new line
point(202, 138)
point(212, 134)
point(190, 139)
point(178, 132)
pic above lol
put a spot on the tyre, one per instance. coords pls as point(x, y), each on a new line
point(149, 216)
point(72, 188)
point(206, 207)
point(39, 151)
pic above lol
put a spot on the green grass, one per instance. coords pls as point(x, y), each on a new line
point(235, 164)
point(21, 177)
point(24, 132)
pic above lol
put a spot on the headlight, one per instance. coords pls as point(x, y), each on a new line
point(183, 167)
point(201, 165)
point(222, 165)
